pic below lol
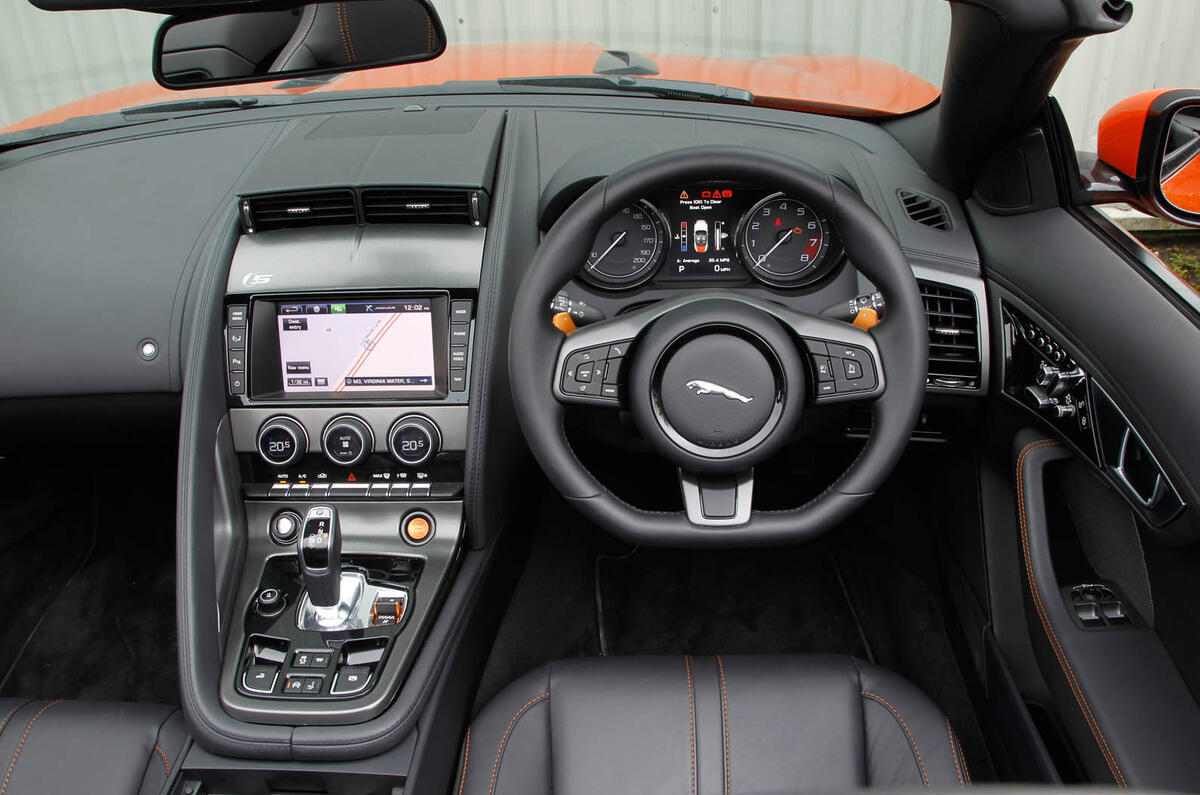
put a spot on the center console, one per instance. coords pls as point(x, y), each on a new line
point(348, 415)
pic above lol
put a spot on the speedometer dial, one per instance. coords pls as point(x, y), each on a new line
point(628, 248)
point(785, 243)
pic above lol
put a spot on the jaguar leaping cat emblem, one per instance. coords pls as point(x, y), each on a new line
point(709, 388)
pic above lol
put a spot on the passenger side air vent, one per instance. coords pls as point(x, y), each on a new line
point(954, 355)
point(296, 210)
point(925, 209)
point(424, 206)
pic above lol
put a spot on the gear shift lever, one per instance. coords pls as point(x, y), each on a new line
point(320, 549)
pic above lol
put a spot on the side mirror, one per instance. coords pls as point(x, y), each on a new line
point(314, 39)
point(1153, 140)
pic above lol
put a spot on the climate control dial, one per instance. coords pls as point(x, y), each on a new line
point(347, 440)
point(282, 441)
point(414, 439)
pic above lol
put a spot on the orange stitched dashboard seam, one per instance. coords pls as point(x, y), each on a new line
point(1065, 664)
point(20, 745)
point(504, 739)
point(725, 728)
point(954, 752)
point(466, 756)
point(163, 754)
point(691, 719)
point(11, 712)
point(911, 741)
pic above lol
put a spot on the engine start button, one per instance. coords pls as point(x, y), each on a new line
point(417, 527)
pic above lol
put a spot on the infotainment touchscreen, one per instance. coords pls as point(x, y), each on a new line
point(357, 346)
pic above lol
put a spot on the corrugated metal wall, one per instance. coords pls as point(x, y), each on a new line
point(47, 59)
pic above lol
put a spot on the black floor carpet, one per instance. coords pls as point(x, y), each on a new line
point(583, 594)
point(89, 578)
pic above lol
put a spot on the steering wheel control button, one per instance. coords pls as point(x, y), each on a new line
point(417, 527)
point(414, 439)
point(852, 368)
point(596, 372)
point(823, 368)
point(717, 390)
point(284, 526)
point(347, 440)
point(269, 603)
point(282, 441)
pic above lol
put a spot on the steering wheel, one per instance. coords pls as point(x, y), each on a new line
point(716, 381)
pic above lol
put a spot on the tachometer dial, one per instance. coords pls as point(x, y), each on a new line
point(785, 243)
point(628, 248)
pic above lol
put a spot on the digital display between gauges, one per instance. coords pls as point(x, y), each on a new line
point(703, 229)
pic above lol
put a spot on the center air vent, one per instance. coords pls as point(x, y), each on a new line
point(925, 209)
point(424, 206)
point(954, 356)
point(296, 210)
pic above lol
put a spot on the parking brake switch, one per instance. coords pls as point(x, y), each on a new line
point(320, 551)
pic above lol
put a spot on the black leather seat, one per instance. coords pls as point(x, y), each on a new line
point(52, 747)
point(761, 724)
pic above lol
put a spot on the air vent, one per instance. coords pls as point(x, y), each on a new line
point(954, 357)
point(925, 209)
point(296, 210)
point(424, 206)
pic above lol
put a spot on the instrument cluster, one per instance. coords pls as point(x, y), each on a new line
point(713, 233)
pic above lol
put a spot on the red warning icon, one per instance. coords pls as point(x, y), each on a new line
point(351, 479)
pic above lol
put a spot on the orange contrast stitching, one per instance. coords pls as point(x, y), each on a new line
point(342, 31)
point(963, 757)
point(912, 742)
point(163, 754)
point(349, 34)
point(954, 753)
point(466, 755)
point(504, 740)
point(11, 712)
point(21, 744)
point(1055, 645)
point(725, 727)
point(691, 719)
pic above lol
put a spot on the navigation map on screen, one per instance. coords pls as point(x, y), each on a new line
point(357, 346)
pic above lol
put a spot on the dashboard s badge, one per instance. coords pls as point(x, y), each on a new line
point(253, 279)
point(709, 388)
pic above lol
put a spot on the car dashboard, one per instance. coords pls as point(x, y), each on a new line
point(328, 285)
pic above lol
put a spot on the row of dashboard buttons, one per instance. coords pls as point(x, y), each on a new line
point(370, 491)
point(840, 369)
point(235, 348)
point(460, 338)
point(596, 372)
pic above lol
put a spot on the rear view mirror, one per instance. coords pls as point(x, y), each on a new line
point(314, 39)
point(1153, 139)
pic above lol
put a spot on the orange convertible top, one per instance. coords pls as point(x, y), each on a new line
point(833, 84)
